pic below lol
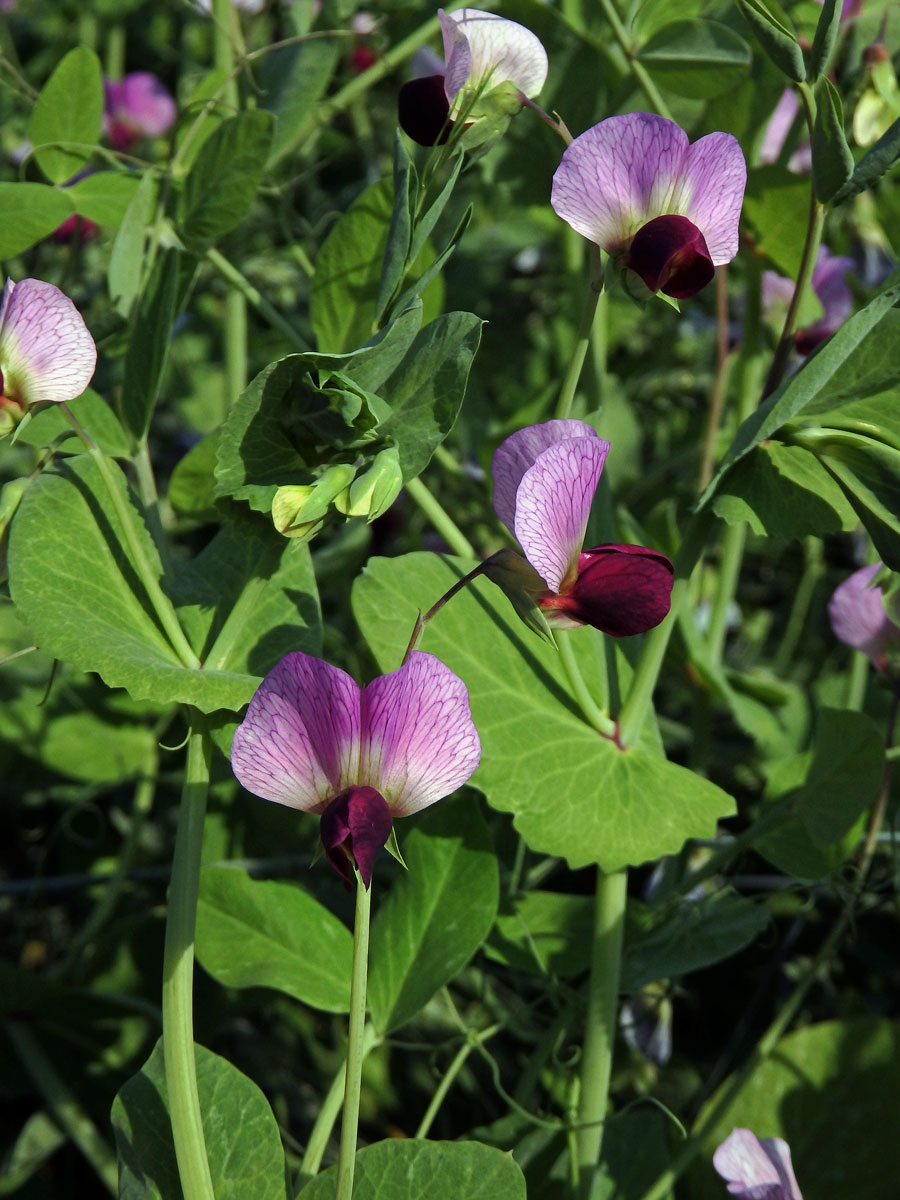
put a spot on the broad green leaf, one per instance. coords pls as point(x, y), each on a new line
point(93, 413)
point(875, 163)
point(832, 158)
point(777, 205)
point(127, 257)
point(688, 936)
point(779, 42)
point(437, 913)
point(105, 196)
point(38, 1139)
point(223, 178)
point(698, 59)
point(653, 15)
point(857, 356)
point(572, 793)
point(410, 1169)
point(28, 213)
point(291, 80)
point(783, 491)
point(287, 940)
point(544, 933)
point(148, 346)
point(243, 1144)
point(201, 113)
point(844, 776)
point(830, 1090)
point(69, 110)
point(192, 484)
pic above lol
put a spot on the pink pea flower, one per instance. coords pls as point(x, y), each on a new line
point(481, 51)
point(138, 107)
point(314, 740)
point(756, 1169)
point(545, 477)
point(829, 284)
point(858, 618)
point(665, 208)
point(780, 124)
point(46, 351)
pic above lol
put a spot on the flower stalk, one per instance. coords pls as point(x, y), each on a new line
point(355, 1043)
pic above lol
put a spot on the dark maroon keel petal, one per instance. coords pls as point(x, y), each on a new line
point(621, 590)
point(422, 110)
point(354, 828)
point(670, 255)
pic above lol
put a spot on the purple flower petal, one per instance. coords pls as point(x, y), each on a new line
point(482, 49)
point(670, 255)
point(299, 742)
point(756, 1169)
point(710, 192)
point(418, 740)
point(137, 107)
point(858, 618)
point(354, 828)
point(46, 352)
point(779, 126)
point(553, 504)
point(519, 452)
point(620, 589)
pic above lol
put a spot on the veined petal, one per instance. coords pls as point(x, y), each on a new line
point(553, 504)
point(858, 617)
point(418, 739)
point(496, 51)
point(710, 192)
point(756, 1168)
point(619, 174)
point(299, 743)
point(519, 452)
point(46, 351)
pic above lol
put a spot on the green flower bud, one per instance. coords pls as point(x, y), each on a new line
point(376, 490)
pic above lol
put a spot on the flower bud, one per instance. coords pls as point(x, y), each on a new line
point(298, 510)
point(372, 493)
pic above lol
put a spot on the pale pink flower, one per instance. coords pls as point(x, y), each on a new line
point(139, 106)
point(858, 618)
point(756, 1169)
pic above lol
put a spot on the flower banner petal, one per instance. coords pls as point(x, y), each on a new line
point(755, 1167)
point(46, 351)
point(518, 453)
point(710, 192)
point(497, 51)
point(418, 739)
point(299, 742)
point(553, 504)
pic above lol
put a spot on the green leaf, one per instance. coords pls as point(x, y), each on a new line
point(243, 1144)
point(38, 1139)
point(830, 1090)
point(545, 933)
point(105, 196)
point(410, 1169)
point(875, 163)
point(29, 212)
point(223, 178)
point(699, 59)
point(572, 793)
point(69, 110)
point(291, 80)
point(399, 237)
point(437, 914)
point(826, 34)
point(127, 258)
point(777, 205)
point(844, 777)
point(287, 939)
point(192, 485)
point(93, 414)
point(687, 937)
point(858, 355)
point(783, 491)
point(148, 345)
point(779, 43)
point(832, 158)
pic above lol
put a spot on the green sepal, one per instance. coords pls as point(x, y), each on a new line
point(393, 848)
point(832, 158)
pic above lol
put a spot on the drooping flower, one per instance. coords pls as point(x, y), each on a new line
point(665, 208)
point(829, 283)
point(139, 106)
point(314, 740)
point(859, 619)
point(545, 477)
point(756, 1169)
point(481, 52)
point(46, 351)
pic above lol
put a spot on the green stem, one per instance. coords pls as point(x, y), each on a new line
point(162, 605)
point(582, 338)
point(235, 345)
point(474, 1041)
point(603, 999)
point(115, 51)
point(63, 1104)
point(146, 485)
point(637, 68)
point(638, 702)
point(355, 1044)
point(178, 974)
point(440, 518)
point(593, 714)
point(256, 299)
point(793, 631)
point(857, 679)
point(729, 571)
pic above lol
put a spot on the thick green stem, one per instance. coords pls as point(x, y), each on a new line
point(256, 299)
point(600, 1028)
point(440, 518)
point(162, 605)
point(583, 337)
point(178, 974)
point(729, 571)
point(593, 714)
point(355, 1044)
